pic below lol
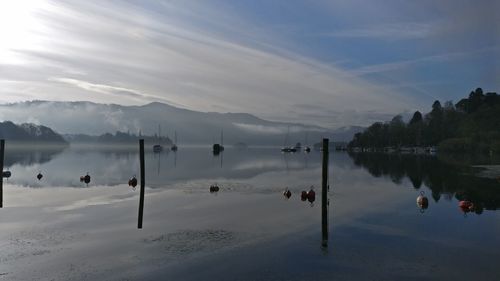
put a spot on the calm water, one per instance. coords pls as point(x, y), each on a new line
point(61, 229)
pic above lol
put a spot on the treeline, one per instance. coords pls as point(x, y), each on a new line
point(472, 124)
point(118, 138)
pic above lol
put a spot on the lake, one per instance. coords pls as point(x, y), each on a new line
point(59, 228)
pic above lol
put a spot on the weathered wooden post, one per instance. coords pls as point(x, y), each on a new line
point(2, 154)
point(324, 195)
point(141, 196)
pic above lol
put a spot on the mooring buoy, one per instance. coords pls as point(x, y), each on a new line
point(132, 182)
point(303, 195)
point(311, 195)
point(422, 201)
point(214, 188)
point(287, 193)
point(466, 206)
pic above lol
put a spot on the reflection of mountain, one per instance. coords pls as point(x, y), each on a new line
point(440, 177)
point(26, 156)
point(109, 166)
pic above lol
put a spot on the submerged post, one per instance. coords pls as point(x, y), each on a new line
point(2, 154)
point(141, 196)
point(324, 195)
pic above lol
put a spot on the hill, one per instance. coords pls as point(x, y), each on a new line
point(28, 132)
point(472, 124)
point(87, 118)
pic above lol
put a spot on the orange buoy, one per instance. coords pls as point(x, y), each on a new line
point(311, 195)
point(422, 201)
point(303, 195)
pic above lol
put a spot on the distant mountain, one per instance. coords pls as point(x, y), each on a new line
point(28, 132)
point(76, 119)
point(345, 134)
point(191, 126)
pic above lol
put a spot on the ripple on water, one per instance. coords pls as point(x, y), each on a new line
point(187, 242)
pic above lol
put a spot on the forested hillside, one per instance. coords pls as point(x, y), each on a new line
point(28, 132)
point(472, 124)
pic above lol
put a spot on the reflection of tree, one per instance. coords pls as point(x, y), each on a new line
point(28, 156)
point(441, 177)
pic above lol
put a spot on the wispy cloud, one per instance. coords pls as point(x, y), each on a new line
point(111, 90)
point(129, 54)
point(387, 31)
point(397, 65)
point(203, 57)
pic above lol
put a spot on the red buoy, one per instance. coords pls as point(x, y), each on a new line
point(466, 206)
point(311, 195)
point(303, 195)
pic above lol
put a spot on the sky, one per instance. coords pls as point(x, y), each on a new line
point(330, 63)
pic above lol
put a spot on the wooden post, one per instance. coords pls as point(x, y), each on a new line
point(324, 195)
point(2, 154)
point(141, 196)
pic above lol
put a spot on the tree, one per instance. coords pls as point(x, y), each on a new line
point(471, 124)
point(397, 131)
point(415, 128)
point(434, 130)
point(417, 117)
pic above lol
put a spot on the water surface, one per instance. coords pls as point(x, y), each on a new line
point(60, 228)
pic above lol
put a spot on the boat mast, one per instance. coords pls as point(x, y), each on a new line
point(286, 137)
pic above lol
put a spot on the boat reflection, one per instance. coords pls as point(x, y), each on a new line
point(113, 165)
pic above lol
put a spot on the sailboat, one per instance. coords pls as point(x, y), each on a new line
point(218, 148)
point(174, 146)
point(158, 147)
point(307, 149)
point(285, 147)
